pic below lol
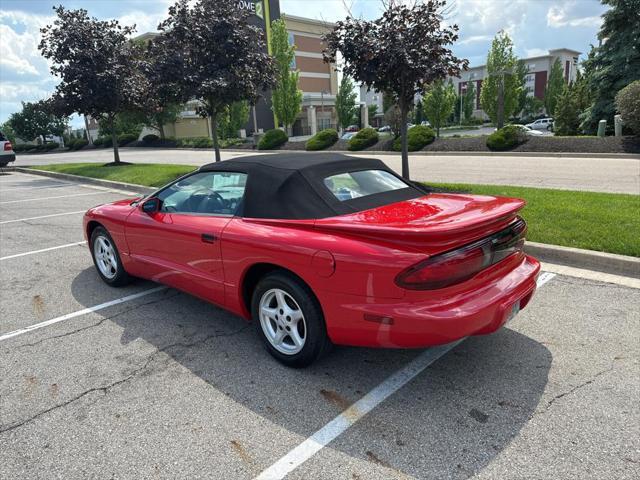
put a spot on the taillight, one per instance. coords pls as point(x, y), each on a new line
point(463, 263)
point(8, 146)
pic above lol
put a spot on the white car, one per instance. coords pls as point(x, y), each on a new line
point(348, 135)
point(530, 131)
point(6, 151)
point(541, 124)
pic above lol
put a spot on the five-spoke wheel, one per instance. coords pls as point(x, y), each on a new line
point(107, 259)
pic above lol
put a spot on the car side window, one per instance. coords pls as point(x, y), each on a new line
point(205, 193)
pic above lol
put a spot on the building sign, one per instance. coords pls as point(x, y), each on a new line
point(253, 7)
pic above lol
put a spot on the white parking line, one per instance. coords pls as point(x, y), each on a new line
point(13, 189)
point(41, 216)
point(355, 412)
point(79, 313)
point(52, 198)
point(32, 252)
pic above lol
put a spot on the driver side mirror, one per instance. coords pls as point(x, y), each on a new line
point(151, 206)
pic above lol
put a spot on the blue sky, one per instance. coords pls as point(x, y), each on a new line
point(534, 25)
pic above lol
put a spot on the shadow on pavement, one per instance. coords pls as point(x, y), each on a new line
point(450, 421)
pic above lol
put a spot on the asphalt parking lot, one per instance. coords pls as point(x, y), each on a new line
point(147, 382)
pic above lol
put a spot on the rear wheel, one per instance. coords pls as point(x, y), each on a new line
point(289, 320)
point(107, 259)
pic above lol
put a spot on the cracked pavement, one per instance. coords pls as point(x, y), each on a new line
point(168, 386)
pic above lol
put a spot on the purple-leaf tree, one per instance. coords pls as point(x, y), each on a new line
point(208, 51)
point(99, 67)
point(397, 54)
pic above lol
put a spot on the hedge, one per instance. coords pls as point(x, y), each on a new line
point(506, 138)
point(125, 138)
point(418, 137)
point(272, 139)
point(195, 142)
point(628, 104)
point(151, 138)
point(363, 139)
point(323, 139)
point(103, 142)
point(76, 144)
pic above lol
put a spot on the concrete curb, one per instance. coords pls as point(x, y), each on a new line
point(587, 259)
point(87, 180)
point(574, 257)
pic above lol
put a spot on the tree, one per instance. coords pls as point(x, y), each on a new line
point(419, 113)
point(372, 111)
point(393, 118)
point(130, 122)
point(500, 89)
point(286, 98)
point(8, 132)
point(555, 87)
point(616, 61)
point(36, 120)
point(346, 106)
point(438, 103)
point(209, 51)
point(522, 70)
point(398, 54)
point(532, 108)
point(566, 119)
point(99, 68)
point(157, 115)
point(234, 117)
point(469, 101)
point(628, 104)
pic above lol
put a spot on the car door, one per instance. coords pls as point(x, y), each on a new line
point(179, 243)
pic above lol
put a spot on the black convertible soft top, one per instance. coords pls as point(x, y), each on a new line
point(291, 185)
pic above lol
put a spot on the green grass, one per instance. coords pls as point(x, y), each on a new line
point(148, 174)
point(607, 222)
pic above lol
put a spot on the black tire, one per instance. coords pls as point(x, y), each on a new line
point(121, 277)
point(316, 342)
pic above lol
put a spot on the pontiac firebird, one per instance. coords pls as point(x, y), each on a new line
point(324, 249)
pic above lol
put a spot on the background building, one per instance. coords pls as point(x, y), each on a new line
point(536, 81)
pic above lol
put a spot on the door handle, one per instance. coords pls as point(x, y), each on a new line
point(208, 238)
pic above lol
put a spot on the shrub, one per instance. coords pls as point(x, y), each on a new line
point(103, 142)
point(22, 147)
point(363, 139)
point(418, 137)
point(125, 138)
point(230, 142)
point(195, 142)
point(272, 139)
point(506, 138)
point(77, 144)
point(322, 140)
point(628, 104)
point(45, 147)
point(151, 138)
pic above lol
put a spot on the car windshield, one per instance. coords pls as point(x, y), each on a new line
point(346, 186)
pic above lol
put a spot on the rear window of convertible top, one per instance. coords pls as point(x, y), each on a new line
point(350, 185)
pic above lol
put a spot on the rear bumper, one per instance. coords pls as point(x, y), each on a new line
point(436, 317)
point(11, 157)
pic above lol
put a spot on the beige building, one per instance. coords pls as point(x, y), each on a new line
point(317, 80)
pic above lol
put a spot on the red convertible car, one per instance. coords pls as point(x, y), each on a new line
point(324, 249)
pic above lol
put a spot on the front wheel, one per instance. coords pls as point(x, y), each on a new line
point(107, 259)
point(289, 320)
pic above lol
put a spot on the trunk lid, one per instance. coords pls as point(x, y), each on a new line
point(436, 220)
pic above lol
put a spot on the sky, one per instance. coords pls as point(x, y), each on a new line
point(534, 25)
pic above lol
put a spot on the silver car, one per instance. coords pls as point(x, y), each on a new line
point(6, 151)
point(541, 124)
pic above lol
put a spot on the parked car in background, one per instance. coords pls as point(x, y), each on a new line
point(352, 128)
point(541, 124)
point(6, 151)
point(384, 129)
point(425, 123)
point(348, 135)
point(331, 250)
point(526, 130)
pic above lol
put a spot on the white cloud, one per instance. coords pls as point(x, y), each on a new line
point(475, 39)
point(557, 17)
point(535, 52)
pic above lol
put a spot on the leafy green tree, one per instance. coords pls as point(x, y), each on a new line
point(397, 54)
point(438, 103)
point(372, 112)
point(130, 123)
point(469, 101)
point(555, 86)
point(628, 104)
point(99, 67)
point(501, 88)
point(418, 116)
point(566, 119)
point(8, 132)
point(521, 75)
point(616, 62)
point(36, 120)
point(209, 51)
point(233, 119)
point(161, 115)
point(532, 108)
point(286, 97)
point(346, 106)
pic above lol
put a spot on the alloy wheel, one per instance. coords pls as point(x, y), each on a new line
point(105, 255)
point(282, 321)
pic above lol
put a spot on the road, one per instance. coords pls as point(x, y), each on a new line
point(617, 175)
point(97, 382)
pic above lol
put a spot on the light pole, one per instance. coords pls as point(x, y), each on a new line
point(322, 92)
